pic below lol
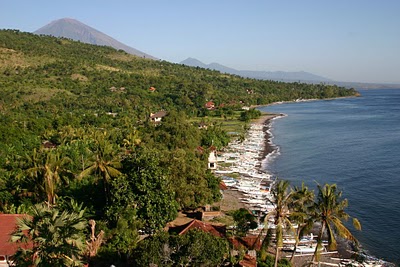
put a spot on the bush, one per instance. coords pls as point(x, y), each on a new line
point(269, 261)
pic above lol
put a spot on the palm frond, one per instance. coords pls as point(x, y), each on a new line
point(88, 171)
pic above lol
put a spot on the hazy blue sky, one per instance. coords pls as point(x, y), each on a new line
point(345, 40)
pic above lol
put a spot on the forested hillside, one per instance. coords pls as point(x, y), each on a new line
point(75, 127)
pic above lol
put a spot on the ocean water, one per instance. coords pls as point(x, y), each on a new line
point(355, 143)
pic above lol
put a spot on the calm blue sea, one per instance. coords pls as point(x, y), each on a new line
point(355, 143)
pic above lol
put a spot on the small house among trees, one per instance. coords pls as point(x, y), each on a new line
point(202, 125)
point(209, 105)
point(251, 243)
point(48, 144)
point(156, 117)
point(212, 159)
point(215, 230)
point(250, 91)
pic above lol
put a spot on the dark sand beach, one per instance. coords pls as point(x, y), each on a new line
point(265, 120)
point(231, 202)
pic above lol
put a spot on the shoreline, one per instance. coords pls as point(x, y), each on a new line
point(345, 248)
point(304, 100)
point(269, 148)
point(344, 252)
point(233, 196)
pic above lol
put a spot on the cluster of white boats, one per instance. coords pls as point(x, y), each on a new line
point(239, 165)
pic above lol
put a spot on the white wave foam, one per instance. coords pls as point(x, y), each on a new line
point(275, 149)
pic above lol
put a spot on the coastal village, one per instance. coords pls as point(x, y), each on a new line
point(244, 185)
point(113, 160)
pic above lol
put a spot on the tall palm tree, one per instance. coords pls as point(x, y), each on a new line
point(329, 210)
point(105, 162)
point(49, 169)
point(282, 199)
point(303, 200)
point(57, 238)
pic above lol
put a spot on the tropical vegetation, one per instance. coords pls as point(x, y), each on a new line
point(329, 211)
point(299, 206)
point(58, 238)
point(75, 126)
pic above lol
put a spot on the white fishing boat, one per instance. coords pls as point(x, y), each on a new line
point(247, 189)
point(267, 206)
point(229, 183)
point(261, 196)
point(253, 201)
point(258, 175)
point(307, 248)
point(307, 239)
point(289, 241)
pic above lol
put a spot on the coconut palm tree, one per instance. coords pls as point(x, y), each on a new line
point(329, 210)
point(57, 238)
point(282, 199)
point(105, 161)
point(303, 200)
point(49, 170)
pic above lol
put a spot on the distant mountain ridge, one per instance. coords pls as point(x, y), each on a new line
point(301, 76)
point(78, 31)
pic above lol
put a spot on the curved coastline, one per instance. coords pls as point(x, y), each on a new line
point(270, 149)
point(345, 251)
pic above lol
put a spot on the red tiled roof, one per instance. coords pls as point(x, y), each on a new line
point(200, 149)
point(209, 104)
point(250, 242)
point(205, 227)
point(248, 261)
point(8, 224)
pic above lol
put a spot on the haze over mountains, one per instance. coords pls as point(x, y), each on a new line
point(285, 76)
point(78, 31)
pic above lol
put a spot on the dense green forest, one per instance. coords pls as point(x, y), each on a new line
point(75, 128)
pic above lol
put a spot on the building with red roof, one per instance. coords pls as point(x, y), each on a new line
point(209, 105)
point(252, 242)
point(248, 261)
point(215, 230)
point(8, 224)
